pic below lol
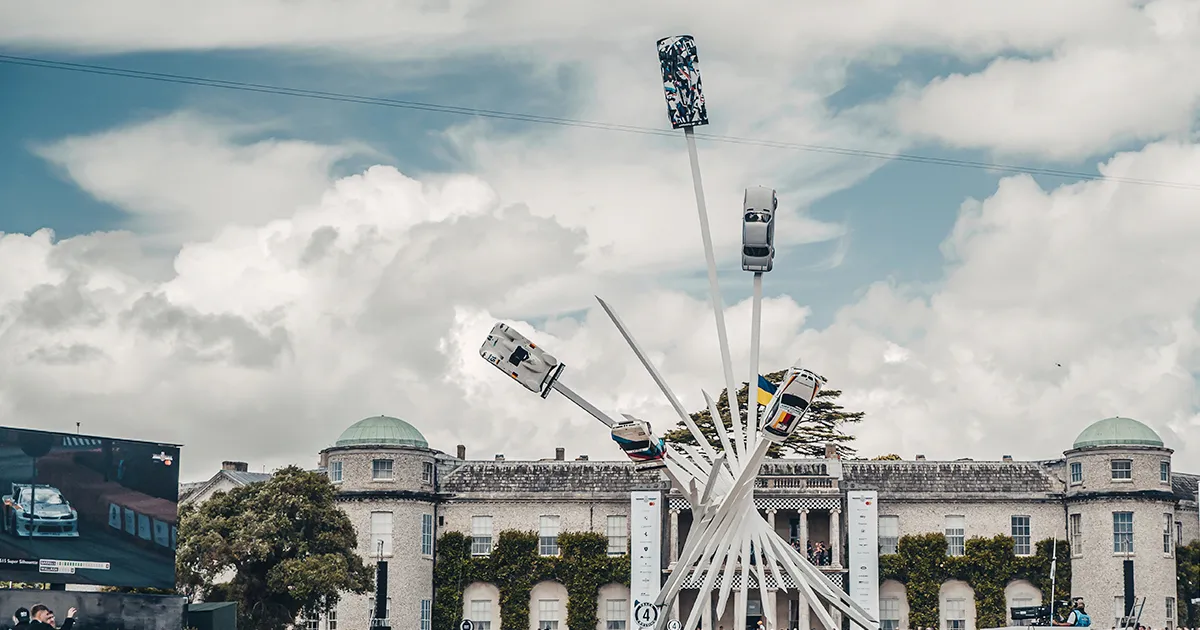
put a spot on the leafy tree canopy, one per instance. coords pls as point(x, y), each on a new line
point(890, 457)
point(289, 547)
point(822, 424)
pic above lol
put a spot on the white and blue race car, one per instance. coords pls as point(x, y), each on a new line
point(635, 438)
point(39, 511)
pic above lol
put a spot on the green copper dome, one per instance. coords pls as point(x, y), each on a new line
point(382, 431)
point(1118, 432)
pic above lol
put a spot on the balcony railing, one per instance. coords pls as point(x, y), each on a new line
point(795, 483)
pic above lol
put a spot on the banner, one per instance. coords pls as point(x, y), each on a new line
point(862, 523)
point(645, 564)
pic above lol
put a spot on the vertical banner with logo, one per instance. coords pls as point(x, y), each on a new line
point(862, 521)
point(645, 563)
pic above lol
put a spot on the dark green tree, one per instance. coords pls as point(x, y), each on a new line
point(890, 457)
point(1187, 582)
point(823, 424)
point(289, 547)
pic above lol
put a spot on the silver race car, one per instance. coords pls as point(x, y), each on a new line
point(636, 439)
point(799, 388)
point(39, 512)
point(758, 229)
point(521, 359)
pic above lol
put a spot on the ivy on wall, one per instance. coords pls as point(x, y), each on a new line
point(988, 565)
point(583, 566)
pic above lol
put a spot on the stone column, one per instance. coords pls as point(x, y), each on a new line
point(835, 537)
point(673, 554)
point(706, 617)
point(770, 605)
point(739, 607)
point(804, 534)
point(837, 617)
point(805, 614)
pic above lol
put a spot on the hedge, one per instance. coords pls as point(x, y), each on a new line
point(583, 566)
point(988, 565)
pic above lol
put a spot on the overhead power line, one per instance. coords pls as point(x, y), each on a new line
point(569, 122)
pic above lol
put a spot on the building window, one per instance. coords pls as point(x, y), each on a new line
point(1164, 472)
point(381, 534)
point(618, 534)
point(1076, 472)
point(387, 613)
point(548, 536)
point(956, 539)
point(548, 614)
point(481, 613)
point(1178, 533)
point(1122, 469)
point(331, 620)
point(311, 623)
point(615, 614)
point(1122, 532)
point(426, 613)
point(427, 472)
point(956, 614)
point(889, 534)
point(427, 534)
point(481, 535)
point(335, 472)
point(1168, 530)
point(1170, 610)
point(381, 469)
point(889, 614)
point(1076, 535)
point(1020, 534)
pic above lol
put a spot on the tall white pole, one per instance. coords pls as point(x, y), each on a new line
point(714, 288)
point(752, 420)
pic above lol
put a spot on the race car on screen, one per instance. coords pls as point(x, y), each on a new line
point(797, 392)
point(521, 359)
point(39, 512)
point(636, 439)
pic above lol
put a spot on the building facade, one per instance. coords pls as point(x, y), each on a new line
point(1113, 496)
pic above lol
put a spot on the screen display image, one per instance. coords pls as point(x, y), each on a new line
point(78, 509)
point(94, 611)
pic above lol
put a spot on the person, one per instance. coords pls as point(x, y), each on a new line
point(1077, 617)
point(43, 618)
point(21, 619)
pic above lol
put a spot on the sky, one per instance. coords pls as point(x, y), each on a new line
point(247, 274)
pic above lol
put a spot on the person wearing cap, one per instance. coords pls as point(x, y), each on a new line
point(21, 619)
point(43, 619)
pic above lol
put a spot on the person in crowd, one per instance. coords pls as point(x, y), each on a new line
point(43, 618)
point(1077, 617)
point(21, 619)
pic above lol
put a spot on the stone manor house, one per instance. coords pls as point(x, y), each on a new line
point(1113, 495)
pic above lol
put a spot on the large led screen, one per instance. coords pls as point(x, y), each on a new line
point(81, 509)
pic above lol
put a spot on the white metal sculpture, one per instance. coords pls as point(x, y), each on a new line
point(728, 535)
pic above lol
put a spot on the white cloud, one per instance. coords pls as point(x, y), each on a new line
point(184, 176)
point(375, 301)
point(1090, 96)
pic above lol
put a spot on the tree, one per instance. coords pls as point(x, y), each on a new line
point(821, 425)
point(890, 457)
point(1187, 582)
point(289, 547)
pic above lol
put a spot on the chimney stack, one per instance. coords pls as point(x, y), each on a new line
point(560, 454)
point(235, 466)
point(581, 458)
point(462, 451)
point(920, 458)
point(499, 457)
point(830, 451)
point(1008, 458)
